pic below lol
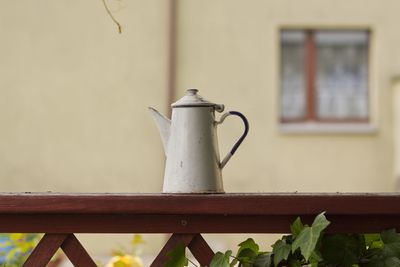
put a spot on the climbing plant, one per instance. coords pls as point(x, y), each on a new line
point(308, 245)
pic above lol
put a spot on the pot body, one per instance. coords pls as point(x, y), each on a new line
point(193, 161)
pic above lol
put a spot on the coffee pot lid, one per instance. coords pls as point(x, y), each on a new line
point(193, 99)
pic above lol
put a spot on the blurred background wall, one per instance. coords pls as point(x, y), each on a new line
point(74, 93)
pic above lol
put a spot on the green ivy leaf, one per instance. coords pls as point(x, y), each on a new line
point(234, 262)
point(309, 235)
point(248, 251)
point(341, 250)
point(294, 263)
point(248, 244)
point(177, 257)
point(246, 257)
point(373, 241)
point(220, 259)
point(263, 260)
point(281, 251)
point(315, 258)
point(378, 261)
point(391, 242)
point(392, 262)
point(388, 256)
point(296, 227)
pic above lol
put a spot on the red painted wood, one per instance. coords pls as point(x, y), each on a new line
point(230, 204)
point(195, 223)
point(184, 215)
point(200, 250)
point(194, 242)
point(45, 250)
point(221, 213)
point(309, 75)
point(76, 253)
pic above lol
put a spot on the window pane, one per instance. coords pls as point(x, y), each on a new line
point(342, 75)
point(292, 75)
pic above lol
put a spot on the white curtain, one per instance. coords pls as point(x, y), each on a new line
point(342, 75)
point(292, 75)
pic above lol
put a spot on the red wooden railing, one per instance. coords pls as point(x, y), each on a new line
point(186, 216)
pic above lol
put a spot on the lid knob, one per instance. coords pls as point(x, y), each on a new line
point(191, 91)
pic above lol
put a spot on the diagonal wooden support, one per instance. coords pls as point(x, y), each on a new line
point(201, 250)
point(49, 245)
point(76, 253)
point(196, 244)
point(45, 250)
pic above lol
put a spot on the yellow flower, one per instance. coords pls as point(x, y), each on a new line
point(125, 261)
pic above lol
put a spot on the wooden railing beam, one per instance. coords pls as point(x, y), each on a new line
point(184, 215)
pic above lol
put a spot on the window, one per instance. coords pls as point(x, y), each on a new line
point(324, 76)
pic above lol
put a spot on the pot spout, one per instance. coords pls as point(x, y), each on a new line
point(164, 127)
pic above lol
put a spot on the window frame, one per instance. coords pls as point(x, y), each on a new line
point(309, 75)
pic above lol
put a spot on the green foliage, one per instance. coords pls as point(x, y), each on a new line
point(308, 236)
point(386, 255)
point(221, 260)
point(177, 257)
point(281, 251)
point(17, 247)
point(309, 246)
point(342, 250)
point(373, 241)
point(247, 253)
point(296, 227)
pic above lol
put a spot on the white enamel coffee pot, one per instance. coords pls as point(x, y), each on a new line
point(191, 146)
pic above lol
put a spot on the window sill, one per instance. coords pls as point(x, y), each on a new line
point(327, 128)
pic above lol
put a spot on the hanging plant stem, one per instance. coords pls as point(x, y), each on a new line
point(112, 16)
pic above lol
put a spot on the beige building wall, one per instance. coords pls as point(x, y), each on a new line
point(74, 95)
point(230, 50)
